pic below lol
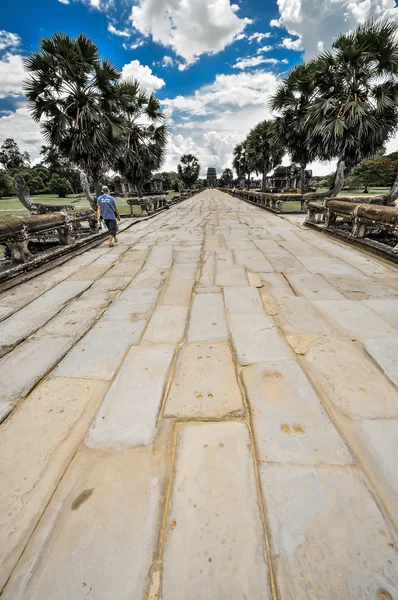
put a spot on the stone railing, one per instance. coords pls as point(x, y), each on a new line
point(16, 232)
point(273, 202)
point(357, 218)
point(153, 204)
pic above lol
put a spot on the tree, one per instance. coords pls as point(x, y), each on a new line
point(188, 170)
point(353, 110)
point(377, 172)
point(242, 162)
point(292, 100)
point(60, 185)
point(226, 178)
point(11, 156)
point(56, 162)
point(79, 100)
point(6, 184)
point(264, 150)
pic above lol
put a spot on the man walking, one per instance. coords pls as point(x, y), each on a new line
point(108, 210)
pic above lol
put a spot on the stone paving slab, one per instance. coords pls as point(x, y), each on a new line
point(355, 387)
point(386, 309)
point(230, 276)
point(73, 321)
point(256, 339)
point(207, 319)
point(167, 325)
point(49, 426)
point(98, 536)
point(313, 287)
point(355, 319)
point(243, 300)
point(290, 423)
point(134, 304)
point(253, 260)
point(204, 383)
point(360, 287)
point(100, 352)
point(329, 538)
point(297, 316)
point(128, 415)
point(214, 506)
point(328, 266)
point(385, 354)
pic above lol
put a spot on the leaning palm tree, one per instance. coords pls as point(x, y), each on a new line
point(292, 100)
point(79, 100)
point(264, 150)
point(353, 111)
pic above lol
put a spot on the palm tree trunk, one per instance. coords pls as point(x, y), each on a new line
point(264, 182)
point(302, 177)
point(86, 189)
point(337, 186)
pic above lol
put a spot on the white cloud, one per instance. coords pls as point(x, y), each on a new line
point(291, 44)
point(318, 21)
point(241, 36)
point(264, 49)
point(135, 70)
point(167, 61)
point(134, 45)
point(285, 61)
point(9, 41)
point(19, 126)
point(190, 27)
point(64, 1)
point(254, 61)
point(119, 32)
point(275, 23)
point(12, 75)
point(258, 37)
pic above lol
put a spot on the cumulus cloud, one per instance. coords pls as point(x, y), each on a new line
point(64, 1)
point(190, 27)
point(254, 61)
point(320, 21)
point(258, 37)
point(167, 61)
point(19, 126)
point(12, 75)
point(291, 44)
point(9, 41)
point(119, 32)
point(135, 70)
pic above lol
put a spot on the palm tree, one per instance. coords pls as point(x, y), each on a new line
point(79, 100)
point(142, 150)
point(242, 162)
point(353, 111)
point(188, 169)
point(291, 100)
point(264, 150)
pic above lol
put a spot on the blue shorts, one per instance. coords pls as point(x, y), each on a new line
point(112, 226)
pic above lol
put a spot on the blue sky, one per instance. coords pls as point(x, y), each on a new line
point(214, 63)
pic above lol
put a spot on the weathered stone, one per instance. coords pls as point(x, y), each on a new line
point(204, 383)
point(178, 292)
point(111, 284)
point(360, 287)
point(230, 276)
point(376, 442)
point(207, 319)
point(256, 339)
point(297, 316)
point(284, 262)
point(329, 538)
point(352, 383)
point(386, 309)
point(107, 259)
point(134, 304)
point(128, 415)
point(255, 280)
point(48, 428)
point(208, 272)
point(214, 463)
point(160, 257)
point(167, 325)
point(290, 424)
point(385, 354)
point(253, 260)
point(313, 287)
point(100, 352)
point(276, 286)
point(187, 256)
point(89, 273)
point(244, 300)
point(74, 321)
point(28, 363)
point(98, 536)
point(270, 305)
point(152, 278)
point(301, 343)
point(124, 269)
point(355, 319)
point(328, 266)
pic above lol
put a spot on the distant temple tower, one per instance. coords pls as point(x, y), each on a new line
point(211, 177)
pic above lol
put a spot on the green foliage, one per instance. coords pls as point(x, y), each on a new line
point(264, 149)
point(377, 172)
point(11, 156)
point(226, 178)
point(188, 170)
point(6, 184)
point(60, 185)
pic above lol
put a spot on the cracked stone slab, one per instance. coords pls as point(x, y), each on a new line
point(385, 354)
point(355, 319)
point(214, 463)
point(386, 309)
point(204, 383)
point(134, 304)
point(74, 321)
point(354, 386)
point(100, 352)
point(207, 319)
point(98, 536)
point(328, 266)
point(128, 415)
point(290, 424)
point(328, 534)
point(256, 339)
point(49, 427)
point(298, 316)
point(360, 287)
point(254, 260)
point(313, 287)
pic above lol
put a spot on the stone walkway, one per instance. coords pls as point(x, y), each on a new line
point(208, 411)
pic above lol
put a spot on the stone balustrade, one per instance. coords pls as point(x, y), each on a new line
point(153, 204)
point(273, 202)
point(16, 232)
